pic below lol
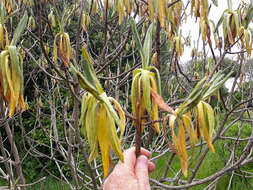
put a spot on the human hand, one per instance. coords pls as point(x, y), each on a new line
point(132, 174)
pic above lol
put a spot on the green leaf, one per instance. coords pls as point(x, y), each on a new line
point(91, 127)
point(15, 59)
point(137, 39)
point(134, 92)
point(229, 5)
point(220, 21)
point(146, 91)
point(19, 30)
point(110, 109)
point(90, 72)
point(158, 78)
point(147, 47)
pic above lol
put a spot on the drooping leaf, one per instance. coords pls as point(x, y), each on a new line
point(147, 47)
point(137, 39)
point(182, 148)
point(112, 133)
point(146, 90)
point(103, 139)
point(121, 115)
point(160, 102)
point(19, 30)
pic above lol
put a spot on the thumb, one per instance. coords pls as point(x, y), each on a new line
point(141, 171)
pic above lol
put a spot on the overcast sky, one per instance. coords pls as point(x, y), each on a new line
point(193, 27)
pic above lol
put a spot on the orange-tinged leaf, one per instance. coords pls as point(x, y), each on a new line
point(229, 31)
point(160, 102)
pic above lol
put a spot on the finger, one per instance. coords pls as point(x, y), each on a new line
point(130, 157)
point(141, 172)
point(145, 152)
point(151, 167)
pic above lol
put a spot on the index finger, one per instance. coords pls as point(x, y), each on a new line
point(130, 157)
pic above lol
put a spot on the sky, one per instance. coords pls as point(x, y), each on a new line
point(193, 27)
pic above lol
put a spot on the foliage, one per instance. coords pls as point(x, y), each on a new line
point(85, 77)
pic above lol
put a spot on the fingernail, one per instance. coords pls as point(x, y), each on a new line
point(143, 160)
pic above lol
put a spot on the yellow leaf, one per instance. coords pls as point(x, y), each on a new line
point(22, 102)
point(103, 139)
point(128, 6)
point(121, 115)
point(16, 84)
point(161, 12)
point(182, 148)
point(209, 115)
point(134, 92)
point(67, 41)
point(1, 37)
point(112, 133)
point(204, 125)
point(120, 10)
point(151, 10)
point(91, 127)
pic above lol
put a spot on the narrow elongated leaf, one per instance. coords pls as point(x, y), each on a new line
point(157, 79)
point(229, 30)
point(160, 102)
point(209, 116)
point(134, 92)
point(204, 125)
point(83, 109)
point(19, 30)
point(110, 109)
point(103, 139)
point(68, 46)
point(182, 148)
point(112, 133)
point(151, 10)
point(229, 2)
point(2, 64)
point(120, 10)
point(147, 47)
point(137, 39)
point(15, 59)
point(146, 90)
point(248, 17)
point(90, 72)
point(121, 115)
point(91, 128)
point(1, 36)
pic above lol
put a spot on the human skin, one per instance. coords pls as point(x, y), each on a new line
point(133, 174)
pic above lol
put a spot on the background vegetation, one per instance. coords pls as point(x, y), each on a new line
point(41, 147)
